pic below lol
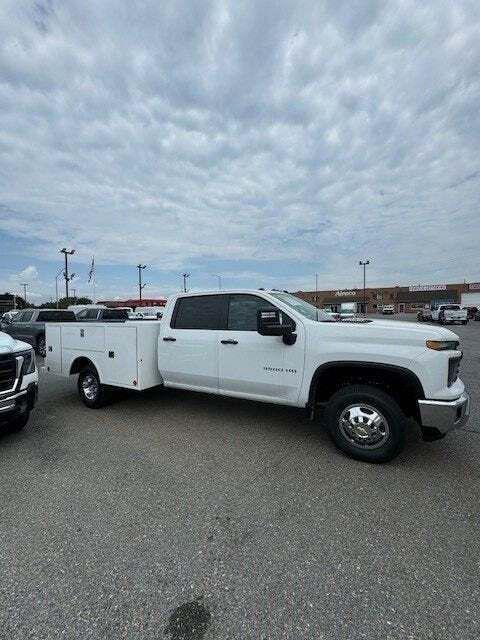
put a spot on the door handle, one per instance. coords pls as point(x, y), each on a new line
point(169, 339)
point(229, 341)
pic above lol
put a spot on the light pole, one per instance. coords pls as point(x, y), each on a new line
point(185, 276)
point(364, 265)
point(141, 286)
point(67, 253)
point(25, 285)
point(56, 286)
point(219, 282)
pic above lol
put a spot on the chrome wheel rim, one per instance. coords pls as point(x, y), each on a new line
point(364, 426)
point(90, 387)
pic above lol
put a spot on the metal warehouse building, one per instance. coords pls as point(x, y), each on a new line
point(406, 299)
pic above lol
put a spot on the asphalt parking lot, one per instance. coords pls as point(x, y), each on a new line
point(178, 515)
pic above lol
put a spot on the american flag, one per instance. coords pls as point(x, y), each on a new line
point(91, 273)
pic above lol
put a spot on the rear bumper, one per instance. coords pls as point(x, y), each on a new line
point(444, 416)
point(18, 403)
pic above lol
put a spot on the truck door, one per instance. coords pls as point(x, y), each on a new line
point(255, 366)
point(188, 347)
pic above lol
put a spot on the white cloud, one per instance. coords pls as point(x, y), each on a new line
point(184, 132)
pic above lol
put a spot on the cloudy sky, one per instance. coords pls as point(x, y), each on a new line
point(260, 140)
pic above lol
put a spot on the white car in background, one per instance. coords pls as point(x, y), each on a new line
point(449, 314)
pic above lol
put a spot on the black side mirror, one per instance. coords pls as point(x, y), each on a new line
point(268, 324)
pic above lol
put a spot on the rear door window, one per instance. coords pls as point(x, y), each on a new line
point(200, 312)
point(56, 316)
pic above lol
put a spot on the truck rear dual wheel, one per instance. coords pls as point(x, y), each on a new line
point(93, 393)
point(366, 423)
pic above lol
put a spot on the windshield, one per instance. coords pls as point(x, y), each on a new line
point(305, 308)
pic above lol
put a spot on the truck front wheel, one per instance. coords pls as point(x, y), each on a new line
point(366, 423)
point(93, 393)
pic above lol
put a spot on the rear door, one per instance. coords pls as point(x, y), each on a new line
point(188, 347)
point(255, 366)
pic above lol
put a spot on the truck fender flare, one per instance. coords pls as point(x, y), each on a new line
point(359, 364)
point(79, 363)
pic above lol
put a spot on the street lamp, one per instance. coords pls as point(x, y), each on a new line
point(219, 282)
point(56, 285)
point(364, 265)
point(67, 253)
point(185, 276)
point(25, 285)
point(141, 286)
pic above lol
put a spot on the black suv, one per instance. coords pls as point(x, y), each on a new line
point(29, 325)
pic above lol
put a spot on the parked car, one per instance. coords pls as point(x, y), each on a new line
point(388, 309)
point(102, 314)
point(449, 314)
point(76, 308)
point(274, 347)
point(8, 315)
point(18, 383)
point(471, 312)
point(29, 325)
point(424, 315)
point(150, 313)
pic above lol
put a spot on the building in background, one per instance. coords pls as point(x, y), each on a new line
point(134, 303)
point(406, 299)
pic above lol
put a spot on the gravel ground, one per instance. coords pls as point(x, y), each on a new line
point(182, 516)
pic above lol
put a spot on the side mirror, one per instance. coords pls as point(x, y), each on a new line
point(268, 324)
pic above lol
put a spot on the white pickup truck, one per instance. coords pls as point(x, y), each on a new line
point(365, 377)
point(18, 383)
point(449, 314)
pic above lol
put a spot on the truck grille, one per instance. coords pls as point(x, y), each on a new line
point(8, 369)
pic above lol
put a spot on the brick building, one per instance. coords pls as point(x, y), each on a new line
point(406, 299)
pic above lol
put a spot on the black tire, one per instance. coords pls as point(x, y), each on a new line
point(390, 435)
point(15, 425)
point(41, 348)
point(92, 392)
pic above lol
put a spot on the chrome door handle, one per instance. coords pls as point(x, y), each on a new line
point(229, 341)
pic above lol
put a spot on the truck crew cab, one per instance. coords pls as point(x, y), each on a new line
point(366, 377)
point(18, 383)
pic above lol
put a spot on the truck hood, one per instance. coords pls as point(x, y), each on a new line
point(391, 331)
point(9, 345)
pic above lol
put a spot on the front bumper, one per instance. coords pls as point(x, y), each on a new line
point(18, 403)
point(443, 415)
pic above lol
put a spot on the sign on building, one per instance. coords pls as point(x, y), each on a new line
point(345, 294)
point(474, 286)
point(428, 287)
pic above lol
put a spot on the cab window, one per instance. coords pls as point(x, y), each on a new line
point(242, 312)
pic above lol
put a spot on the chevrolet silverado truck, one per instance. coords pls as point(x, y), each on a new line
point(366, 379)
point(18, 383)
point(449, 314)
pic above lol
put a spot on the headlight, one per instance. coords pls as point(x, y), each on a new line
point(28, 361)
point(443, 345)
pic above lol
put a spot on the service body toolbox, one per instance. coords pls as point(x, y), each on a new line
point(124, 354)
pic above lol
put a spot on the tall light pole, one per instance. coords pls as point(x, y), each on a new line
point(56, 286)
point(219, 282)
point(141, 286)
point(25, 285)
point(364, 265)
point(67, 253)
point(185, 276)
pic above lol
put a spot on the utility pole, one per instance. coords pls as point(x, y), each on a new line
point(74, 294)
point(67, 253)
point(141, 286)
point(219, 282)
point(25, 285)
point(185, 276)
point(56, 286)
point(364, 265)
